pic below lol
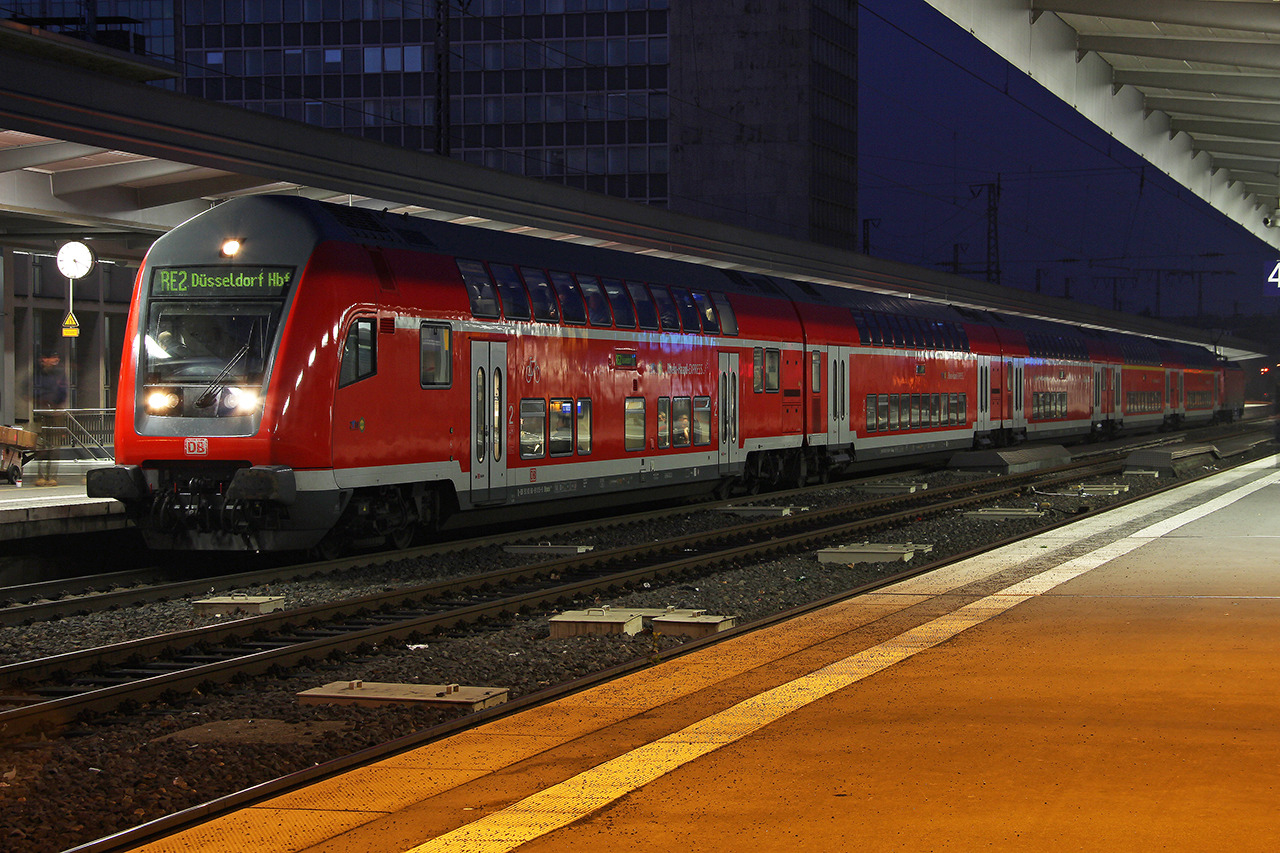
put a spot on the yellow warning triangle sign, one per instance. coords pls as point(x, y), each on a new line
point(71, 326)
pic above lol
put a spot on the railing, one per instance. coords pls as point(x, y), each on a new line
point(77, 433)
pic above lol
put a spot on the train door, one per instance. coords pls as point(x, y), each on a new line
point(839, 418)
point(982, 417)
point(488, 422)
point(730, 437)
point(1017, 409)
point(1100, 395)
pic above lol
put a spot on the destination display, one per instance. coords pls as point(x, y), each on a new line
point(182, 282)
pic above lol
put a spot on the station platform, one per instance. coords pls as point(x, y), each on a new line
point(1109, 685)
point(29, 511)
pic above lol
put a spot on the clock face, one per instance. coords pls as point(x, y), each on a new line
point(75, 260)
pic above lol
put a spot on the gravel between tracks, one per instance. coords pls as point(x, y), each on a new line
point(122, 770)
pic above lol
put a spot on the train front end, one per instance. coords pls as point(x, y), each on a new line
point(207, 455)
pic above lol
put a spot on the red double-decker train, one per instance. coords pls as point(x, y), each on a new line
point(300, 374)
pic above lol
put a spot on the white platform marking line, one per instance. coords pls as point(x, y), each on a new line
point(578, 796)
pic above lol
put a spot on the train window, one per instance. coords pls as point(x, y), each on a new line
point(816, 379)
point(871, 413)
point(646, 313)
point(359, 353)
point(935, 410)
point(864, 330)
point(946, 417)
point(893, 411)
point(680, 411)
point(757, 374)
point(701, 420)
point(962, 338)
point(597, 303)
point(915, 336)
point(772, 369)
point(584, 426)
point(515, 302)
point(624, 315)
point(664, 421)
point(882, 412)
point(707, 312)
point(666, 308)
point(898, 329)
point(963, 409)
point(633, 424)
point(880, 334)
point(497, 414)
point(728, 320)
point(544, 301)
point(484, 302)
point(561, 424)
point(955, 409)
point(533, 429)
point(435, 361)
point(572, 308)
point(688, 311)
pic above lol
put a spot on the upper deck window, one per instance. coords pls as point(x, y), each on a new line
point(572, 307)
point(597, 302)
point(484, 300)
point(544, 301)
point(515, 302)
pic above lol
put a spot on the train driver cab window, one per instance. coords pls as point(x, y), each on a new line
point(666, 308)
point(436, 359)
point(772, 369)
point(572, 308)
point(533, 429)
point(359, 352)
point(633, 424)
point(515, 302)
point(584, 426)
point(484, 300)
point(544, 301)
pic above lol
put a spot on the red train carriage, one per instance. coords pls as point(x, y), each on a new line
point(299, 373)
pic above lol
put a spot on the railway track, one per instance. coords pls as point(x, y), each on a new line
point(52, 692)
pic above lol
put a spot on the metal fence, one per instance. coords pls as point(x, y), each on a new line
point(77, 433)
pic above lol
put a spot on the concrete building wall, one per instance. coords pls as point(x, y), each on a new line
point(739, 84)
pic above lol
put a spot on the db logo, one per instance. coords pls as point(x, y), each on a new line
point(196, 446)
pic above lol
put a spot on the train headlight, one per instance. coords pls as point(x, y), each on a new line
point(162, 402)
point(230, 248)
point(239, 401)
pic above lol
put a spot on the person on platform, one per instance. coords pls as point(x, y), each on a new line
point(48, 392)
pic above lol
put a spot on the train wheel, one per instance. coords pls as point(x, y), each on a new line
point(14, 474)
point(402, 538)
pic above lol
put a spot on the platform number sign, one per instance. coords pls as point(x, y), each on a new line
point(1274, 278)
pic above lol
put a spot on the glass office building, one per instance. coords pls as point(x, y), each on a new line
point(739, 111)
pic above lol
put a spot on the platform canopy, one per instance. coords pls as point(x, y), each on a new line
point(88, 150)
point(1193, 86)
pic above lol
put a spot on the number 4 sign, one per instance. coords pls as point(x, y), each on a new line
point(1274, 278)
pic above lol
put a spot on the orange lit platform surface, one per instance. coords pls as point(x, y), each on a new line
point(30, 510)
point(1112, 685)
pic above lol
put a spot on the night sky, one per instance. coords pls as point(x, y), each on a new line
point(941, 116)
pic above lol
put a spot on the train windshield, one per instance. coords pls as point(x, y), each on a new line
point(207, 339)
